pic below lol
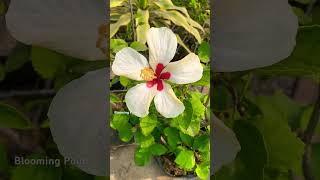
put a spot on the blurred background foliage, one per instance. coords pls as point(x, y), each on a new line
point(274, 111)
point(28, 83)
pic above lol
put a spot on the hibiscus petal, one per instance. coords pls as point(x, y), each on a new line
point(225, 145)
point(162, 43)
point(68, 27)
point(252, 33)
point(139, 98)
point(128, 62)
point(167, 103)
point(187, 70)
point(78, 122)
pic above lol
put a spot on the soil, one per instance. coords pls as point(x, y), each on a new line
point(122, 166)
point(171, 167)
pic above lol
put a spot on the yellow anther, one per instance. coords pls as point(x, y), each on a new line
point(147, 74)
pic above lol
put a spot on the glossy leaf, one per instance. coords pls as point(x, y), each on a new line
point(185, 159)
point(147, 124)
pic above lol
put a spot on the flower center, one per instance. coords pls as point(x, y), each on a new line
point(158, 77)
point(147, 74)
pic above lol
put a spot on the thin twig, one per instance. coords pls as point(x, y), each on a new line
point(307, 138)
point(119, 91)
point(132, 21)
point(23, 93)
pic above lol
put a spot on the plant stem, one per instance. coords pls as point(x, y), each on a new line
point(118, 91)
point(19, 93)
point(132, 22)
point(307, 138)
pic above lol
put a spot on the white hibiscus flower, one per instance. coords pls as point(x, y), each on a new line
point(162, 44)
point(247, 34)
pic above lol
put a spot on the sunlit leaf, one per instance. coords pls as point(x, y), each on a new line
point(116, 3)
point(147, 124)
point(122, 21)
point(142, 23)
point(186, 159)
point(180, 20)
point(138, 46)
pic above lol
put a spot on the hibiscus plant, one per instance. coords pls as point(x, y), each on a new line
point(166, 112)
point(159, 71)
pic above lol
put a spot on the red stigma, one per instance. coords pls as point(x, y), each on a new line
point(159, 78)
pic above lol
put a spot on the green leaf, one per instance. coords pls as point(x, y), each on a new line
point(148, 123)
point(185, 138)
point(4, 162)
point(168, 5)
point(204, 52)
point(172, 135)
point(203, 170)
point(124, 81)
point(119, 121)
point(304, 61)
point(37, 172)
point(251, 160)
point(193, 128)
point(12, 118)
point(138, 46)
point(114, 98)
point(281, 107)
point(197, 106)
point(46, 62)
point(185, 159)
point(205, 79)
point(125, 133)
point(180, 20)
point(142, 23)
point(122, 21)
point(144, 141)
point(202, 143)
point(142, 156)
point(185, 118)
point(158, 149)
point(18, 57)
point(253, 151)
point(117, 44)
point(116, 3)
point(285, 149)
